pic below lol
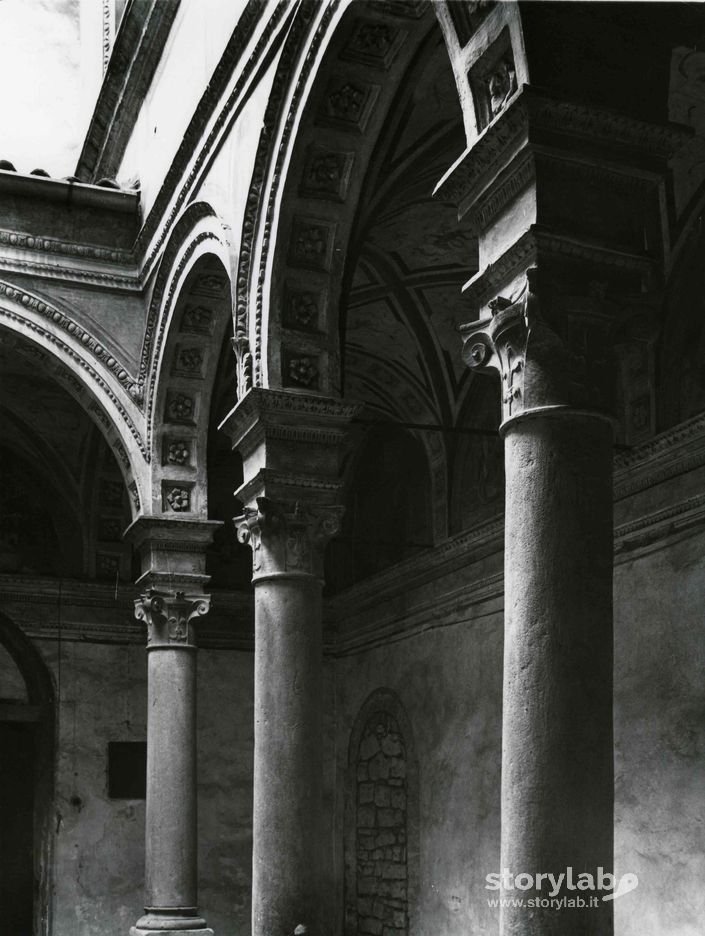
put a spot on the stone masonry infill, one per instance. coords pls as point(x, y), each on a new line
point(381, 842)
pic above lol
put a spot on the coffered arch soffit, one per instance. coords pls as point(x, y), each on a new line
point(190, 310)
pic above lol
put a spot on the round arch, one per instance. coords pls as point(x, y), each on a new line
point(190, 314)
point(50, 338)
point(340, 70)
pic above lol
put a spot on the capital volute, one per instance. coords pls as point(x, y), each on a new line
point(287, 538)
point(539, 368)
point(169, 616)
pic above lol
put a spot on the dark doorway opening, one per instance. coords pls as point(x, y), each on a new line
point(17, 826)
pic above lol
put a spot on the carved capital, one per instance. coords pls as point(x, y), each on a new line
point(287, 538)
point(539, 366)
point(169, 616)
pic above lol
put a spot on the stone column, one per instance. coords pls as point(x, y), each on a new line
point(171, 872)
point(287, 545)
point(557, 769)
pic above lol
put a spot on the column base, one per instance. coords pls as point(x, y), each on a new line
point(154, 924)
point(202, 931)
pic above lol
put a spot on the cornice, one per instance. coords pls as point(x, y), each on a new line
point(525, 251)
point(459, 606)
point(228, 625)
point(68, 192)
point(294, 408)
point(133, 61)
point(672, 453)
point(470, 545)
point(534, 110)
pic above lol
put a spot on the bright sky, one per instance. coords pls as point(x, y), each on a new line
point(50, 71)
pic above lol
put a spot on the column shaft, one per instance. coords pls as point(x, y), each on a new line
point(557, 768)
point(288, 761)
point(171, 780)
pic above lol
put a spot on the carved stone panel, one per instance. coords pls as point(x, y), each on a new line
point(301, 369)
point(311, 243)
point(373, 42)
point(327, 174)
point(303, 308)
point(348, 104)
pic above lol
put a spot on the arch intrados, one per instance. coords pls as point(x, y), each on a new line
point(306, 219)
point(101, 399)
point(193, 325)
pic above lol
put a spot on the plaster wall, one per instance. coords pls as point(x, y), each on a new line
point(449, 680)
point(195, 44)
point(660, 739)
point(99, 842)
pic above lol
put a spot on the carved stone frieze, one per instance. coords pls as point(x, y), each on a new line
point(169, 616)
point(287, 537)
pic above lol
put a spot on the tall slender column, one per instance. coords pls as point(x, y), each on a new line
point(171, 873)
point(287, 848)
point(291, 445)
point(557, 771)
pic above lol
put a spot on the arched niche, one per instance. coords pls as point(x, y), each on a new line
point(381, 820)
point(388, 507)
point(26, 784)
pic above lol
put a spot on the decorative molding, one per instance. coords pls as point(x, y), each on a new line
point(49, 338)
point(292, 110)
point(65, 323)
point(195, 212)
point(98, 612)
point(108, 7)
point(514, 179)
point(21, 241)
point(531, 109)
point(168, 194)
point(526, 251)
point(129, 68)
point(253, 218)
point(151, 353)
point(455, 607)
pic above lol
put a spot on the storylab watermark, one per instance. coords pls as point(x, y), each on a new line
point(567, 890)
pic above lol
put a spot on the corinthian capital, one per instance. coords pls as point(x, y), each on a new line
point(539, 367)
point(169, 616)
point(287, 537)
